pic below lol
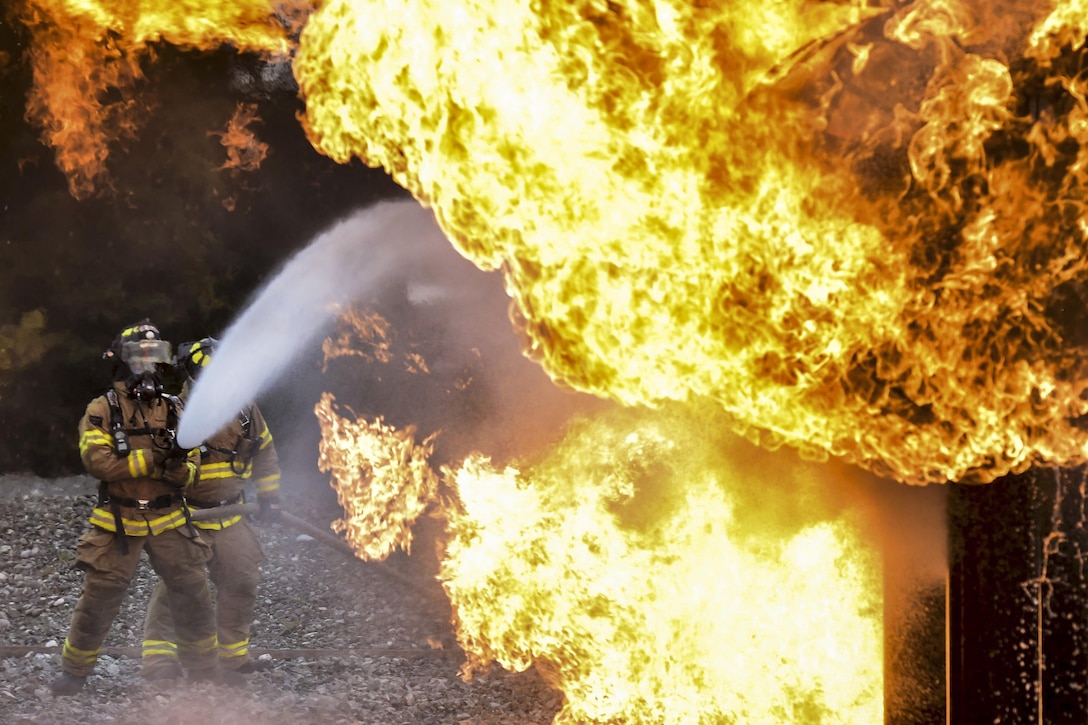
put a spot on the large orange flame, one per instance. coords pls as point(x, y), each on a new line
point(87, 58)
point(858, 229)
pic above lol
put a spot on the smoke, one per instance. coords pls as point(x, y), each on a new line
point(296, 308)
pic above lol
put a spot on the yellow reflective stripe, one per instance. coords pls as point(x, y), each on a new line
point(224, 470)
point(238, 649)
point(202, 647)
point(269, 485)
point(265, 438)
point(226, 466)
point(217, 524)
point(138, 465)
point(146, 464)
point(160, 647)
point(94, 437)
point(103, 518)
point(79, 656)
point(207, 475)
point(165, 523)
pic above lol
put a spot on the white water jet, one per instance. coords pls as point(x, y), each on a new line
point(298, 306)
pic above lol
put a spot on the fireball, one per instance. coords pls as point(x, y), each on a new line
point(858, 229)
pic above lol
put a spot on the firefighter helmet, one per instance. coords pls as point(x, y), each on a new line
point(140, 347)
point(138, 354)
point(192, 357)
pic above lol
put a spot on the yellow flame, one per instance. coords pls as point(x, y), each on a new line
point(635, 570)
point(644, 573)
point(381, 476)
point(844, 224)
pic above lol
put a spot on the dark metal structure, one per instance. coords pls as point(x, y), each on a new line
point(1017, 600)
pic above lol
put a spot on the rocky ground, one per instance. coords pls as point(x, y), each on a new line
point(350, 642)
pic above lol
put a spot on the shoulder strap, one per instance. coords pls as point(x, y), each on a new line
point(172, 405)
point(244, 421)
point(116, 419)
point(120, 436)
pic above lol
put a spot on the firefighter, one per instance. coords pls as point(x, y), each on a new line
point(242, 451)
point(127, 442)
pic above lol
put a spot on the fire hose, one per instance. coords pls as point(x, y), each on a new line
point(325, 537)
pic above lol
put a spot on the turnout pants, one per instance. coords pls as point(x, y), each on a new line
point(179, 557)
point(234, 569)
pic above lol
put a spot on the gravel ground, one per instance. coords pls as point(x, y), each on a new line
point(350, 642)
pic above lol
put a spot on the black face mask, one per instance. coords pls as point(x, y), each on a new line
point(145, 386)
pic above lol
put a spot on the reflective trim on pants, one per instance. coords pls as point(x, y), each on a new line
point(177, 557)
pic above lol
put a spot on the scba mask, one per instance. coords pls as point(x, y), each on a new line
point(143, 359)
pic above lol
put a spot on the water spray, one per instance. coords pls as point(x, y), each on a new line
point(298, 306)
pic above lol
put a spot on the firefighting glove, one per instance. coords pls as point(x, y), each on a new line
point(172, 467)
point(178, 472)
point(270, 508)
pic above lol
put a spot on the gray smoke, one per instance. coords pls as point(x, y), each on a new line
point(296, 309)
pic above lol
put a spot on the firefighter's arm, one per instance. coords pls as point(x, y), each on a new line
point(270, 507)
point(178, 467)
point(266, 463)
point(99, 452)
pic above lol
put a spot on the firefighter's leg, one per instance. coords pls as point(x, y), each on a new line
point(160, 649)
point(108, 574)
point(180, 558)
point(235, 570)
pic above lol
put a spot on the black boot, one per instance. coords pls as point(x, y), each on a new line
point(254, 666)
point(217, 676)
point(67, 684)
point(163, 676)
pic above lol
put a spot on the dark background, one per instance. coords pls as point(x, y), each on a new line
point(174, 237)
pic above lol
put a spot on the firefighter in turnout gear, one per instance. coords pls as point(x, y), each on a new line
point(241, 452)
point(126, 441)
